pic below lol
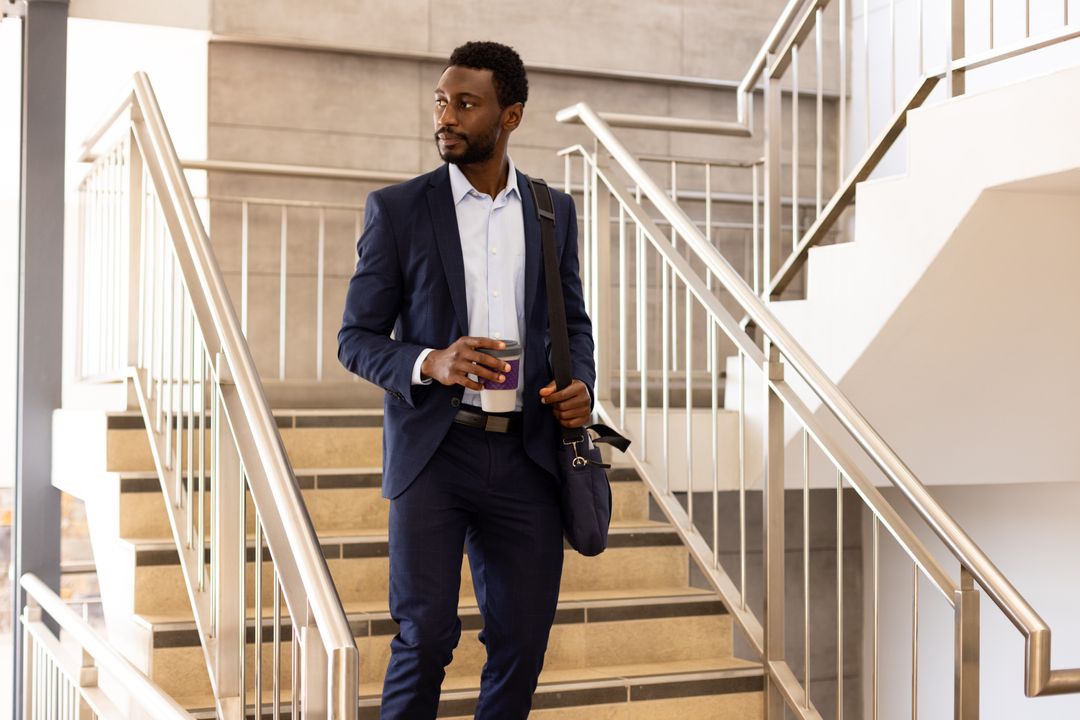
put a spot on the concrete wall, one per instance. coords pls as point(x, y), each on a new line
point(10, 103)
point(356, 93)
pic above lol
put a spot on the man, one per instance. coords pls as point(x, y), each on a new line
point(451, 263)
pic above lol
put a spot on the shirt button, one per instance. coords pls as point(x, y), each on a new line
point(498, 335)
point(454, 402)
point(494, 251)
point(495, 293)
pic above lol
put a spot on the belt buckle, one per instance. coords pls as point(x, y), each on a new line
point(495, 423)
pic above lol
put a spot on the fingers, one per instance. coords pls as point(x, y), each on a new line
point(483, 342)
point(575, 390)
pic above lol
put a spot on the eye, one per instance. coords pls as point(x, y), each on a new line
point(467, 105)
point(440, 102)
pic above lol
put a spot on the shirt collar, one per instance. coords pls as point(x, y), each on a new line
point(460, 185)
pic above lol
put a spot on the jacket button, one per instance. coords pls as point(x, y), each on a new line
point(454, 402)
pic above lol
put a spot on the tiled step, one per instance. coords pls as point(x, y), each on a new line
point(339, 500)
point(638, 557)
point(312, 438)
point(595, 641)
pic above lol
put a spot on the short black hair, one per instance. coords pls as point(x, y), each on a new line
point(508, 72)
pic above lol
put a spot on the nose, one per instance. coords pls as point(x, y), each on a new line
point(445, 116)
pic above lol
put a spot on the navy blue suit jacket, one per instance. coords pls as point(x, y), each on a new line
point(410, 279)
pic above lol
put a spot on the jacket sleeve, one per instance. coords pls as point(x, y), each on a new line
point(578, 324)
point(372, 305)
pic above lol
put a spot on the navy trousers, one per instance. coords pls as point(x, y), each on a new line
point(480, 491)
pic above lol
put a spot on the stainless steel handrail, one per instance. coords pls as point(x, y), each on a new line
point(1040, 678)
point(141, 689)
point(290, 533)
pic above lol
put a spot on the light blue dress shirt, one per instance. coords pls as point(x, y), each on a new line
point(493, 249)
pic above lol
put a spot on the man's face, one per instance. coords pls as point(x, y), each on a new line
point(468, 119)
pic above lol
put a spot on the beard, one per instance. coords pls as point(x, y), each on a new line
point(471, 149)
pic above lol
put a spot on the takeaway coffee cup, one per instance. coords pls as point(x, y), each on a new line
point(501, 397)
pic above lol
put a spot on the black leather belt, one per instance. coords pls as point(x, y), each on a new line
point(501, 423)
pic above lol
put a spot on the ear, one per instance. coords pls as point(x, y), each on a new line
point(512, 115)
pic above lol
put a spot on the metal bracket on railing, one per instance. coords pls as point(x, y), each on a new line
point(12, 8)
point(224, 375)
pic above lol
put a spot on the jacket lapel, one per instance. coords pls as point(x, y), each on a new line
point(533, 259)
point(444, 219)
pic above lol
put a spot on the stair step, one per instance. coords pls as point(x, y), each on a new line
point(339, 500)
point(688, 690)
point(638, 556)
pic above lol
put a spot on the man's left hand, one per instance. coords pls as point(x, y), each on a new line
point(571, 405)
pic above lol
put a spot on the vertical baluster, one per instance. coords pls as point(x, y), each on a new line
point(919, 35)
point(892, 56)
point(806, 563)
point(819, 153)
point(244, 269)
point(282, 290)
point(956, 47)
point(773, 524)
point(586, 233)
point(216, 483)
point(1065, 11)
point(81, 331)
point(839, 595)
point(258, 615)
point(671, 270)
point(689, 369)
point(201, 360)
point(665, 386)
point(169, 367)
point(756, 230)
point(189, 365)
point(742, 478)
point(159, 296)
point(241, 581)
point(296, 689)
point(181, 425)
point(841, 142)
point(566, 173)
point(622, 315)
point(1027, 18)
point(643, 330)
point(714, 414)
point(866, 70)
point(708, 215)
point(794, 147)
point(990, 22)
point(277, 644)
point(914, 641)
point(319, 282)
point(875, 640)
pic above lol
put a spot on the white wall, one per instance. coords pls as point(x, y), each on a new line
point(191, 14)
point(1046, 17)
point(1038, 554)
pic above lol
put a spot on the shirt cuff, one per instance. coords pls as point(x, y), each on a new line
point(416, 379)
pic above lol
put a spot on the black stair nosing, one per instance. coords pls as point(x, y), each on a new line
point(185, 634)
point(378, 546)
point(306, 480)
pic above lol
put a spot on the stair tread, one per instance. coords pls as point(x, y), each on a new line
point(606, 674)
point(618, 527)
point(554, 680)
point(358, 610)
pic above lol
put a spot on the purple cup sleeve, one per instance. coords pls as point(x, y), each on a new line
point(511, 381)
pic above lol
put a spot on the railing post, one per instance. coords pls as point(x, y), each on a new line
point(134, 235)
point(966, 692)
point(602, 316)
point(773, 127)
point(226, 482)
point(957, 25)
point(88, 677)
point(773, 524)
point(314, 680)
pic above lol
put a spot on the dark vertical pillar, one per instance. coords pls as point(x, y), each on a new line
point(36, 536)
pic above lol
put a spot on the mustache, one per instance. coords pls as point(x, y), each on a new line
point(448, 133)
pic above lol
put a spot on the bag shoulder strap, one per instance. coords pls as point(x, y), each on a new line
point(560, 338)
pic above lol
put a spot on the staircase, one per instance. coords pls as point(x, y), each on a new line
point(632, 637)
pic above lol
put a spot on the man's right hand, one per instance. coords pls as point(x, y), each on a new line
point(453, 365)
